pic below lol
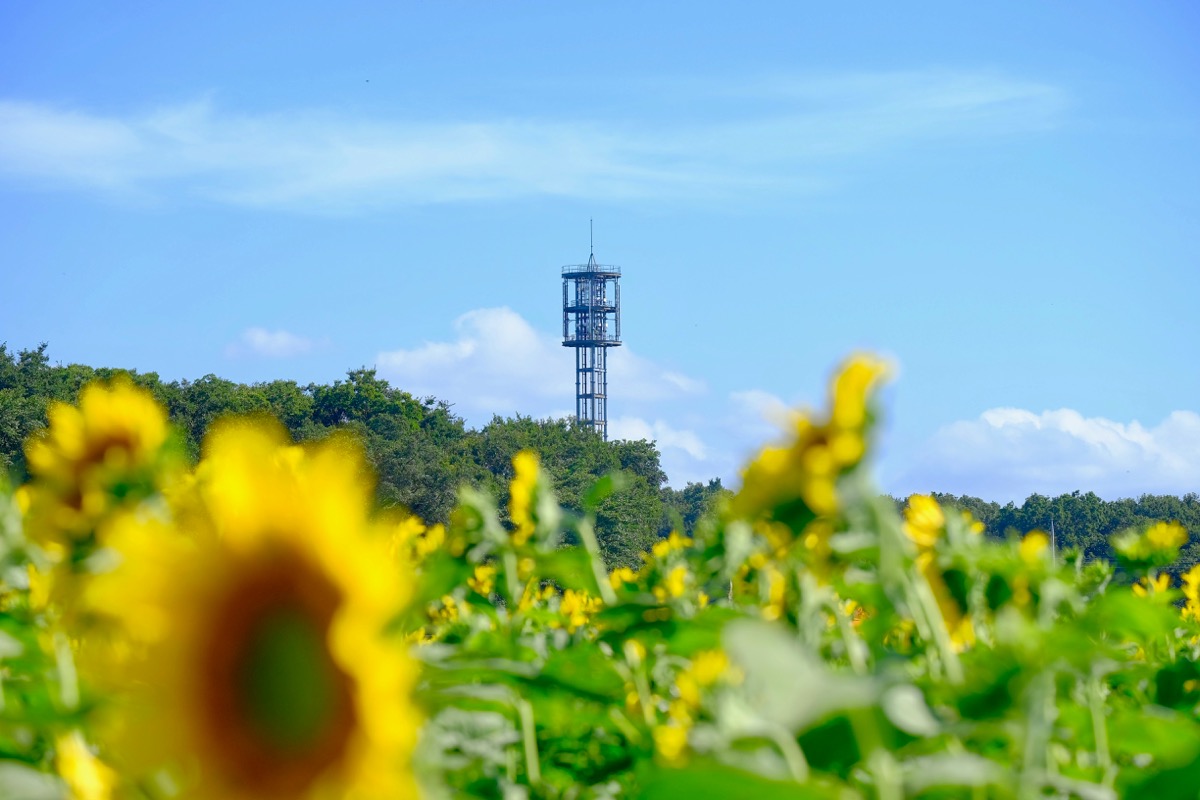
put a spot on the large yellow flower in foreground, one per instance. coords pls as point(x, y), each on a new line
point(253, 662)
point(94, 456)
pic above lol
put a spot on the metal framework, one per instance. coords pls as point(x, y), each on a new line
point(591, 324)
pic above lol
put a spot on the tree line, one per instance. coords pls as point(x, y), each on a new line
point(1084, 521)
point(422, 452)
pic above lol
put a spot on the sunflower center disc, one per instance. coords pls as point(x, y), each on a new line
point(285, 683)
point(279, 709)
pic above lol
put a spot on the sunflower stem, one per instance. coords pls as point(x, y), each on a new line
point(587, 533)
point(1095, 695)
point(512, 582)
point(529, 733)
point(850, 639)
point(792, 754)
point(1035, 762)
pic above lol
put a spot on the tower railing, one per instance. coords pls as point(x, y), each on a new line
point(593, 268)
point(604, 339)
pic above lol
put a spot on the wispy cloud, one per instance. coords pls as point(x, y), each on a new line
point(269, 344)
point(774, 134)
point(1010, 453)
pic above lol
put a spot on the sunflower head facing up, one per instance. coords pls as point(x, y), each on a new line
point(255, 663)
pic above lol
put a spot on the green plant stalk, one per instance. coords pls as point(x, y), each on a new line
point(927, 603)
point(1035, 762)
point(879, 763)
point(813, 598)
point(533, 766)
point(511, 581)
point(955, 745)
point(636, 676)
point(68, 680)
point(587, 534)
point(645, 699)
point(851, 640)
point(896, 569)
point(624, 725)
point(1100, 728)
point(791, 751)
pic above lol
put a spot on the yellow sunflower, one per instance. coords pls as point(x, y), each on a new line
point(924, 521)
point(521, 504)
point(1191, 593)
point(820, 450)
point(924, 524)
point(104, 452)
point(253, 662)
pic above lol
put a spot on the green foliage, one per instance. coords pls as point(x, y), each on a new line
point(1084, 522)
point(687, 506)
point(809, 638)
point(422, 453)
point(1069, 685)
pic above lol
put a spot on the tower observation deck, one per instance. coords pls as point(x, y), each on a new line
point(591, 325)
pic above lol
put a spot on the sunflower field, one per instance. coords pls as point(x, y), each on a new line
point(254, 627)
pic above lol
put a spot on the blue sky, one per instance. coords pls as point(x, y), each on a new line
point(1000, 197)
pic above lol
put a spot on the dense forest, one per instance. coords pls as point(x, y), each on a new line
point(422, 452)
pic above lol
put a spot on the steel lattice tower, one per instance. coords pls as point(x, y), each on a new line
point(591, 324)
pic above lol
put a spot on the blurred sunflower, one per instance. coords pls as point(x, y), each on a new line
point(1191, 593)
point(924, 524)
point(86, 777)
point(522, 503)
point(255, 663)
point(107, 451)
point(807, 468)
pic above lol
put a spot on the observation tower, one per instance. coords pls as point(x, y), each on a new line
point(591, 324)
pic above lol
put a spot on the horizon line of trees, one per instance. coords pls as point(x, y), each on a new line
point(1083, 520)
point(422, 452)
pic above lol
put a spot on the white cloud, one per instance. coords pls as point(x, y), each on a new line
point(776, 134)
point(668, 437)
point(269, 344)
point(1010, 453)
point(498, 363)
point(684, 455)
